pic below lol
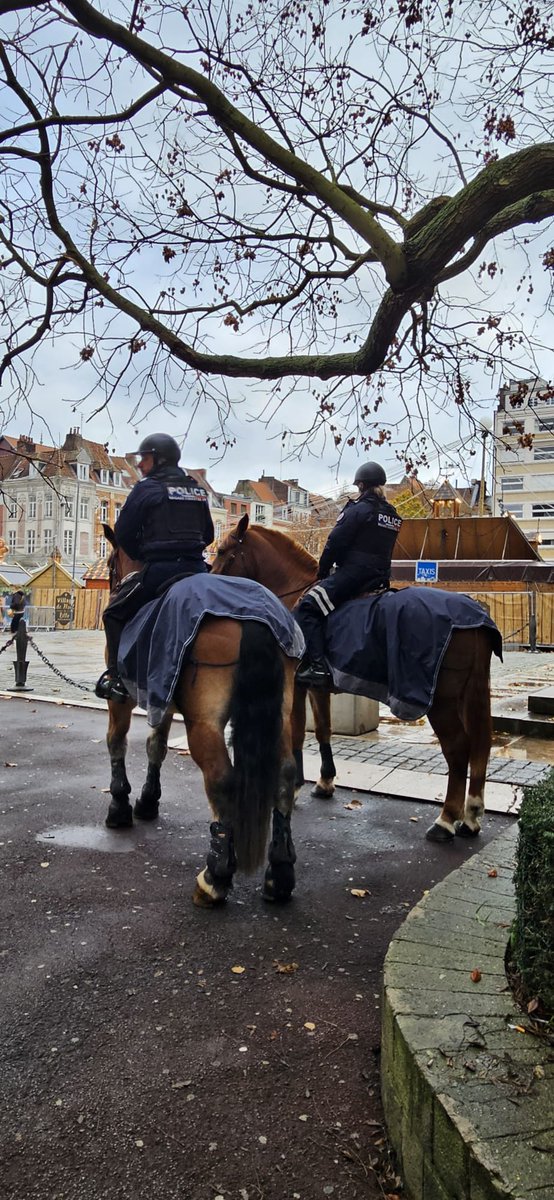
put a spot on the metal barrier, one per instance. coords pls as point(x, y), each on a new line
point(40, 617)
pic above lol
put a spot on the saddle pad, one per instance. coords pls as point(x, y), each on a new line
point(390, 647)
point(154, 644)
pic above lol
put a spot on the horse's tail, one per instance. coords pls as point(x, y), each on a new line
point(256, 716)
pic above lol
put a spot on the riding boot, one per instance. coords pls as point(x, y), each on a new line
point(110, 686)
point(313, 670)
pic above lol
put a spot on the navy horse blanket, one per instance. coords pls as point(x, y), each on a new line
point(154, 644)
point(390, 647)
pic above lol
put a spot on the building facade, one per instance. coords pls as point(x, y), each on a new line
point(523, 460)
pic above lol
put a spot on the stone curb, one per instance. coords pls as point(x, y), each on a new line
point(468, 1098)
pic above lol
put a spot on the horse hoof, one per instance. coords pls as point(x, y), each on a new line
point(146, 810)
point(119, 816)
point(465, 831)
point(203, 900)
point(437, 833)
point(274, 896)
point(320, 793)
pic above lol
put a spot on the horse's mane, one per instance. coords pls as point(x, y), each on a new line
point(283, 542)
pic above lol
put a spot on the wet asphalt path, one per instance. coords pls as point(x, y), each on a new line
point(135, 1061)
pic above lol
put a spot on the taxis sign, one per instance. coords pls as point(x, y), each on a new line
point(426, 571)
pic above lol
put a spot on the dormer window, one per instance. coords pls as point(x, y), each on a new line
point(104, 475)
point(82, 471)
point(117, 479)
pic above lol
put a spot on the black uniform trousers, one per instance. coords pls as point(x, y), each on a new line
point(316, 605)
point(135, 591)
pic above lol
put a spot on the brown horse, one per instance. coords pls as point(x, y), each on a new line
point(234, 672)
point(460, 711)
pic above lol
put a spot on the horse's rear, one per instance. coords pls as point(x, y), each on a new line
point(461, 718)
point(237, 674)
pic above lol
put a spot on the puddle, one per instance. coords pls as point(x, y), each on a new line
point(89, 837)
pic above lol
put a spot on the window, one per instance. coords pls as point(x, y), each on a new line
point(259, 514)
point(543, 510)
point(12, 540)
point(117, 510)
point(104, 476)
point(546, 423)
point(513, 427)
point(243, 508)
point(103, 548)
point(515, 510)
point(512, 483)
point(48, 506)
point(48, 540)
point(541, 398)
point(104, 511)
point(11, 508)
point(68, 542)
point(32, 506)
point(218, 530)
point(117, 479)
point(233, 509)
point(68, 506)
point(31, 540)
point(83, 510)
point(82, 471)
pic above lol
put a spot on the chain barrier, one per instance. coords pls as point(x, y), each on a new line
point(10, 642)
point(83, 686)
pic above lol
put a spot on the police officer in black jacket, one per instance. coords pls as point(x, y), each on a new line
point(165, 523)
point(360, 550)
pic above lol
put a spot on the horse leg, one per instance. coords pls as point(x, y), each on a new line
point(454, 744)
point(321, 708)
point(120, 813)
point(279, 879)
point(208, 749)
point(147, 806)
point(461, 718)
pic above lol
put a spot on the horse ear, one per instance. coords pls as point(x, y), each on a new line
point(242, 526)
point(109, 534)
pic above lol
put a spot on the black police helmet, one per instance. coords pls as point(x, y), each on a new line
point(162, 446)
point(371, 474)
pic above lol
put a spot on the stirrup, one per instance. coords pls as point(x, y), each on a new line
point(314, 675)
point(111, 687)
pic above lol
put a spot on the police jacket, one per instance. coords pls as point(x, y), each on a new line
point(362, 540)
point(165, 516)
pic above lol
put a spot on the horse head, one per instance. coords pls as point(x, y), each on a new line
point(236, 553)
point(119, 563)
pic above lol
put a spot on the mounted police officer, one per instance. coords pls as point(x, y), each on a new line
point(166, 524)
point(356, 558)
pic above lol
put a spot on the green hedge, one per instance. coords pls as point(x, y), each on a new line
point(533, 930)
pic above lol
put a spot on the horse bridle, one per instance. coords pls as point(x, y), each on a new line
point(280, 595)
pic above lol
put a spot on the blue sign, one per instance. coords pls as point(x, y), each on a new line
point(426, 571)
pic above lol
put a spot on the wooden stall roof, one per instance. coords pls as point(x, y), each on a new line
point(99, 571)
point(477, 539)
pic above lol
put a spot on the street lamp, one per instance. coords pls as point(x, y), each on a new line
point(486, 426)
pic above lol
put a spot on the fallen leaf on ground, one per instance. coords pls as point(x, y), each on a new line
point(360, 892)
point(414, 818)
point(238, 970)
point(353, 804)
point(493, 873)
point(532, 1005)
point(309, 1025)
point(285, 968)
point(7, 764)
point(475, 976)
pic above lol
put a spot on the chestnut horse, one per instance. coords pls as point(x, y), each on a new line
point(460, 711)
point(234, 671)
